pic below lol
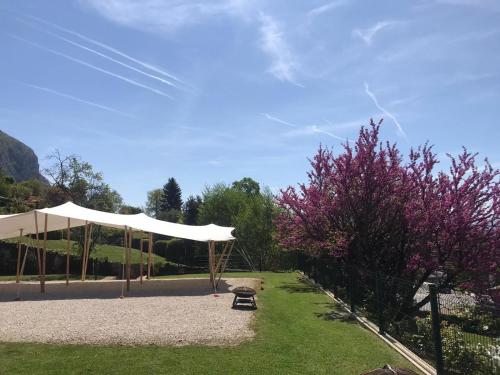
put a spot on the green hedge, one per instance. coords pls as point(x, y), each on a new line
point(172, 250)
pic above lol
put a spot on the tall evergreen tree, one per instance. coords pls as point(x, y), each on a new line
point(172, 196)
point(191, 209)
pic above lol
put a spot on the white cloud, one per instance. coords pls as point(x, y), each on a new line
point(385, 111)
point(165, 16)
point(170, 16)
point(214, 162)
point(490, 4)
point(368, 34)
point(326, 8)
point(272, 42)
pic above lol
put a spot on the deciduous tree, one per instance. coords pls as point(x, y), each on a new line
point(370, 209)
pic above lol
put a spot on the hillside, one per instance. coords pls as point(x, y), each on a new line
point(18, 160)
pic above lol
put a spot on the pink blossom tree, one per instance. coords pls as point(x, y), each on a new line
point(371, 210)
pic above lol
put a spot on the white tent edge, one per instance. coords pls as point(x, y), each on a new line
point(10, 225)
point(70, 215)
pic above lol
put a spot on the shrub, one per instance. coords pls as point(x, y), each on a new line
point(460, 355)
point(160, 248)
point(54, 235)
point(479, 319)
point(172, 250)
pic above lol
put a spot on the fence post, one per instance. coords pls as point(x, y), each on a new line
point(352, 289)
point(436, 330)
point(380, 302)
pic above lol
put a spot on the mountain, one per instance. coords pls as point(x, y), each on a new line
point(18, 160)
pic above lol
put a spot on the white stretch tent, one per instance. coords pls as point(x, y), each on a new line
point(57, 220)
point(70, 215)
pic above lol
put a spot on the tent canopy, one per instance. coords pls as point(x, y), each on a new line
point(57, 219)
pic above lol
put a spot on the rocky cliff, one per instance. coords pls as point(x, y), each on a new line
point(18, 160)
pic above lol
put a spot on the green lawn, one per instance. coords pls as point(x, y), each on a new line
point(296, 334)
point(113, 253)
point(47, 278)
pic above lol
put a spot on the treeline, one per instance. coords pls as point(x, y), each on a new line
point(242, 204)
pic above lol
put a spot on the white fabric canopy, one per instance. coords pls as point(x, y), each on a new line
point(57, 219)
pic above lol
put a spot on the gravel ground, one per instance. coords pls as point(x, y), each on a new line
point(160, 312)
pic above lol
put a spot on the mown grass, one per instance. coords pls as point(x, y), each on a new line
point(113, 253)
point(298, 331)
point(51, 277)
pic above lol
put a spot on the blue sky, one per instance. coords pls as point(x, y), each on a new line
point(218, 90)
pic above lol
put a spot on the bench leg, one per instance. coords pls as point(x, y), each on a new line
point(235, 301)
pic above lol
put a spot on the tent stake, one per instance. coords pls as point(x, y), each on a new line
point(150, 250)
point(68, 238)
point(42, 285)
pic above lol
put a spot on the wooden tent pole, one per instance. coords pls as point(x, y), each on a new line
point(87, 252)
point(84, 249)
point(214, 258)
point(26, 248)
point(24, 259)
point(42, 286)
point(44, 257)
point(129, 253)
point(68, 239)
point(124, 258)
point(225, 263)
point(141, 266)
point(219, 262)
point(18, 264)
point(210, 260)
point(150, 250)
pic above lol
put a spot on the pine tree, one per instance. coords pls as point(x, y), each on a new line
point(191, 209)
point(172, 196)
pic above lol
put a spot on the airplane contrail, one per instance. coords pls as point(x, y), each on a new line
point(101, 55)
point(84, 63)
point(390, 115)
point(71, 97)
point(107, 47)
point(317, 129)
point(278, 120)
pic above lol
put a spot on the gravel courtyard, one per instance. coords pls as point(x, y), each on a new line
point(160, 312)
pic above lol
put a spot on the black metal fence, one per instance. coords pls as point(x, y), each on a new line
point(453, 331)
